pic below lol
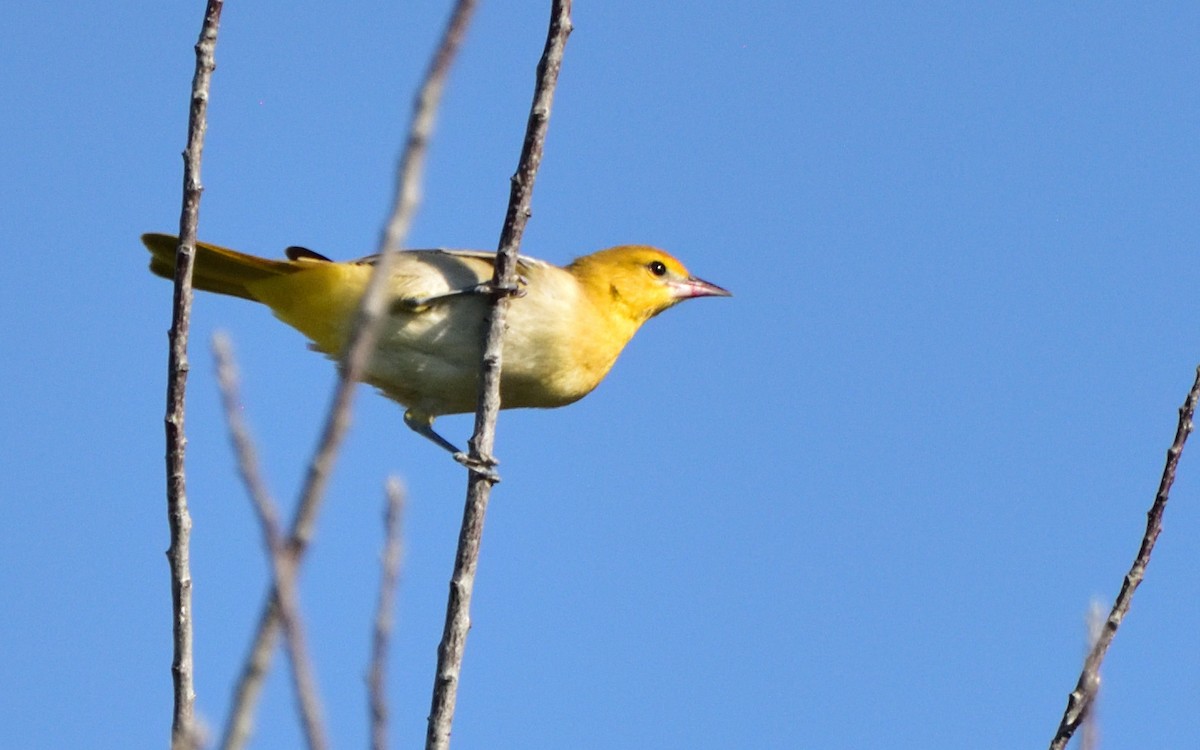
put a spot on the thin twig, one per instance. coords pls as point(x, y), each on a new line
point(1089, 731)
point(283, 568)
point(354, 360)
point(479, 484)
point(184, 731)
point(384, 619)
point(1079, 702)
point(425, 106)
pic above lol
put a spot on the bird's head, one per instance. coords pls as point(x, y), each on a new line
point(639, 281)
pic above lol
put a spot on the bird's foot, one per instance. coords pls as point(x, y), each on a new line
point(420, 304)
point(485, 466)
point(487, 287)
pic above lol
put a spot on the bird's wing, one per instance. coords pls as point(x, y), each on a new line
point(424, 277)
point(524, 262)
point(419, 277)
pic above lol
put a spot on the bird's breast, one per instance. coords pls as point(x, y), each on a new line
point(553, 354)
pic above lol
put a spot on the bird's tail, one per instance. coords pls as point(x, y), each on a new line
point(217, 269)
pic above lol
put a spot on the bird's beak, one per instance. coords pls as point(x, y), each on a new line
point(694, 287)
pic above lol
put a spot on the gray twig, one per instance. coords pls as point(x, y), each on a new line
point(1089, 731)
point(283, 567)
point(184, 730)
point(354, 360)
point(479, 483)
point(425, 106)
point(1080, 701)
point(384, 619)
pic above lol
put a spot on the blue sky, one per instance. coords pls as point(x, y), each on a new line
point(864, 503)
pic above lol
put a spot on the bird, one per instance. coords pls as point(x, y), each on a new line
point(566, 325)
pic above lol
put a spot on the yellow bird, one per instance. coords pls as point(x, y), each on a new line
point(563, 333)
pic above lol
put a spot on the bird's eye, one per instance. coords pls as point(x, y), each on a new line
point(657, 267)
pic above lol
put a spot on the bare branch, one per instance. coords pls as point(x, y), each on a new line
point(184, 730)
point(283, 568)
point(390, 575)
point(425, 105)
point(1079, 702)
point(1089, 731)
point(479, 483)
point(354, 361)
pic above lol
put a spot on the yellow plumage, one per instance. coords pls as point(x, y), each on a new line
point(563, 334)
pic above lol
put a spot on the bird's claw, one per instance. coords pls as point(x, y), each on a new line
point(487, 287)
point(485, 466)
point(420, 304)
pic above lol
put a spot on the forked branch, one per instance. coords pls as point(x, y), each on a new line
point(283, 567)
point(354, 360)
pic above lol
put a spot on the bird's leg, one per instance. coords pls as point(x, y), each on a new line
point(422, 424)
